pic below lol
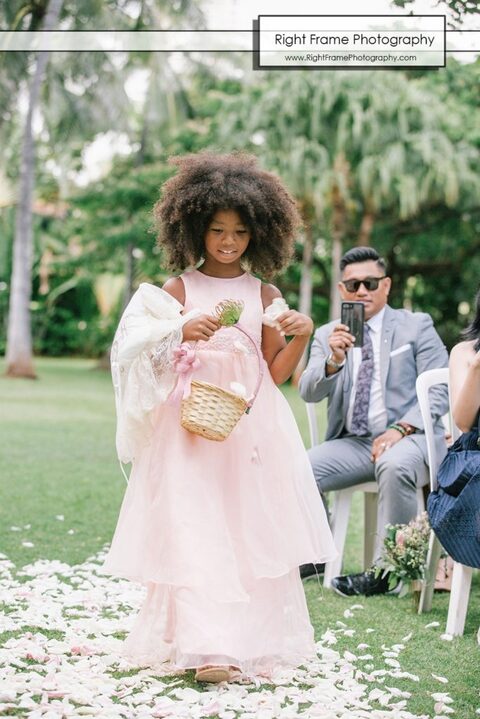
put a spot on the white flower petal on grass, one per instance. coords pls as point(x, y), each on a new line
point(407, 637)
point(15, 529)
point(75, 673)
point(443, 709)
point(60, 517)
point(392, 663)
point(71, 531)
point(404, 675)
point(28, 544)
point(329, 637)
point(8, 695)
point(375, 694)
point(394, 691)
point(369, 630)
point(442, 697)
point(432, 624)
point(444, 680)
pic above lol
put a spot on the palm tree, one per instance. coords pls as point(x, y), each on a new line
point(351, 146)
point(72, 118)
point(166, 104)
point(19, 338)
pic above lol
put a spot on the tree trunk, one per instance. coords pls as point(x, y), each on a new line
point(305, 294)
point(366, 227)
point(104, 361)
point(338, 231)
point(19, 357)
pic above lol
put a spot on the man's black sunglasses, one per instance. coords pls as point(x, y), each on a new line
point(370, 283)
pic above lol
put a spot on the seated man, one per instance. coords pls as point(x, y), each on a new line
point(374, 426)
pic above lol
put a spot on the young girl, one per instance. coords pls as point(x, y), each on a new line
point(216, 530)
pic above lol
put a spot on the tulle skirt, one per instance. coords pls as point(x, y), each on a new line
point(217, 530)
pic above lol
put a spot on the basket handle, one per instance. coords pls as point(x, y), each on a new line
point(183, 384)
point(260, 365)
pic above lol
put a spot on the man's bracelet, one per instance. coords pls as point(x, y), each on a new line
point(404, 431)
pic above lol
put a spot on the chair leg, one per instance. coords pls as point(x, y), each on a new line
point(459, 595)
point(433, 556)
point(341, 511)
point(421, 501)
point(370, 527)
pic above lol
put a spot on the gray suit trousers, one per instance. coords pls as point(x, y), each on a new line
point(343, 462)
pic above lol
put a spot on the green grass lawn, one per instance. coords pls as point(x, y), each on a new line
point(58, 460)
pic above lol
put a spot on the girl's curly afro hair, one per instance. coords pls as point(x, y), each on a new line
point(207, 182)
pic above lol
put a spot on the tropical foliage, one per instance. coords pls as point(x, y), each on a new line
point(390, 159)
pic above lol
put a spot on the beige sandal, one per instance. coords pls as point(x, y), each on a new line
point(213, 675)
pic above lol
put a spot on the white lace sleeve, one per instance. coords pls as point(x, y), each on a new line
point(141, 361)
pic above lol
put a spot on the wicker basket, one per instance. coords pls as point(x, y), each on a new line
point(212, 412)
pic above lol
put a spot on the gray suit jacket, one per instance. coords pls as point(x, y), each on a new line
point(409, 346)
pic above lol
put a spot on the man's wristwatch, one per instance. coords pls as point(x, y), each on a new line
point(331, 362)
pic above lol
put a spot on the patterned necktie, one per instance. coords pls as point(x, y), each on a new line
point(361, 404)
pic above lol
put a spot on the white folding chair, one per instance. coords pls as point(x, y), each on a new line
point(340, 512)
point(462, 575)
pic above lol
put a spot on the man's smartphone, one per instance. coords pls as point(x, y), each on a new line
point(353, 315)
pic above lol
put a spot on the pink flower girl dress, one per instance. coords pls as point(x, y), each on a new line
point(217, 530)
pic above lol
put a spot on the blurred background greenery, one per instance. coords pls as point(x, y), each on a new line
point(383, 158)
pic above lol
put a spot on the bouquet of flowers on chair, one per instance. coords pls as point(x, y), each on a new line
point(405, 554)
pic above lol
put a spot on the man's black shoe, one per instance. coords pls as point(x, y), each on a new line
point(311, 570)
point(365, 583)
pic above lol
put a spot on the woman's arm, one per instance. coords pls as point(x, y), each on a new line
point(464, 384)
point(282, 358)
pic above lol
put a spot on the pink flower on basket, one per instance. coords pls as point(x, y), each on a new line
point(184, 363)
point(400, 539)
point(184, 358)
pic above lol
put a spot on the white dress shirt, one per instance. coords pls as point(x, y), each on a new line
point(377, 413)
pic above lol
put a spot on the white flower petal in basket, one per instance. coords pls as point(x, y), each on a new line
point(239, 389)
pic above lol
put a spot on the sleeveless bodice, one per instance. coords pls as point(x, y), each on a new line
point(204, 293)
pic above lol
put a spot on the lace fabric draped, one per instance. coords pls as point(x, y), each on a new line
point(142, 364)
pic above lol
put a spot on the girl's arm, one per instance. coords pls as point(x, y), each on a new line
point(282, 358)
point(464, 384)
point(200, 328)
point(175, 287)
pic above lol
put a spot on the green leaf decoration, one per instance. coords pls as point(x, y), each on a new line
point(229, 311)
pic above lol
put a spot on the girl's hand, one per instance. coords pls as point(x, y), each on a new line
point(200, 328)
point(294, 323)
